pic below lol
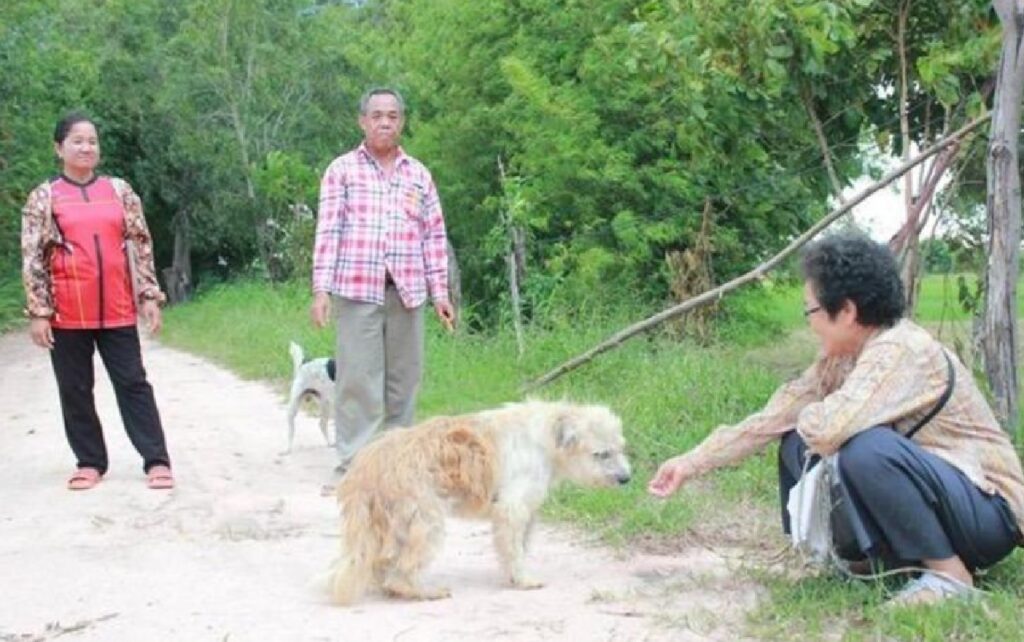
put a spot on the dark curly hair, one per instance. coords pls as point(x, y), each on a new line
point(852, 266)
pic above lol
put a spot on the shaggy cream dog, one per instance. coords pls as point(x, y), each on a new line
point(498, 464)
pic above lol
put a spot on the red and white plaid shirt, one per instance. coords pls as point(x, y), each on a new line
point(370, 224)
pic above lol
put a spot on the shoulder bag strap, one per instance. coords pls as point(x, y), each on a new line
point(942, 400)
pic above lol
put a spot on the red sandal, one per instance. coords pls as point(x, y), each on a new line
point(159, 477)
point(84, 479)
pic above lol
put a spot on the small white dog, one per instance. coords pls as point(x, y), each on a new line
point(498, 464)
point(314, 379)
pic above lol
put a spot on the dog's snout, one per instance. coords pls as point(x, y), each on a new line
point(622, 478)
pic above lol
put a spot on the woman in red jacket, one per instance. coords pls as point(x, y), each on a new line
point(87, 265)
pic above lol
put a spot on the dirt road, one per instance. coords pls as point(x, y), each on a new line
point(234, 552)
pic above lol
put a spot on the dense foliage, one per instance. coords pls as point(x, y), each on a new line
point(617, 123)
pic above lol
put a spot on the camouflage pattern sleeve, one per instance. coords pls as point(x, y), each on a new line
point(137, 233)
point(36, 240)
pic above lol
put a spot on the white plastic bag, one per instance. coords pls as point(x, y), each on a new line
point(810, 508)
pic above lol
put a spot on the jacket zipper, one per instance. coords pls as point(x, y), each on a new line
point(99, 266)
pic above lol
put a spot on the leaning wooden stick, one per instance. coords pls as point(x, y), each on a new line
point(758, 272)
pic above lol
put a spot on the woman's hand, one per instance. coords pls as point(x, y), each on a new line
point(671, 475)
point(41, 332)
point(150, 310)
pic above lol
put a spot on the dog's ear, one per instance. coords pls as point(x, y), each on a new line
point(565, 431)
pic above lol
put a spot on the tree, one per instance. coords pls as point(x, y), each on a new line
point(41, 77)
point(928, 63)
point(622, 122)
point(619, 120)
point(242, 81)
point(999, 327)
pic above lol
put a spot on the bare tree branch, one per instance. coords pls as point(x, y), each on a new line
point(915, 219)
point(758, 272)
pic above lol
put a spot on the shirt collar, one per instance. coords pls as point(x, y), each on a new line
point(879, 331)
point(68, 179)
point(400, 158)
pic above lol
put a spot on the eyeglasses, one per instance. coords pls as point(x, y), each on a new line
point(809, 311)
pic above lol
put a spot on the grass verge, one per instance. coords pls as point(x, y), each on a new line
point(670, 394)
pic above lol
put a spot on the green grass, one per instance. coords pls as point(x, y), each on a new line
point(938, 300)
point(826, 607)
point(661, 388)
point(670, 394)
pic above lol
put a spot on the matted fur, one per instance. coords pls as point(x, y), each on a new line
point(498, 464)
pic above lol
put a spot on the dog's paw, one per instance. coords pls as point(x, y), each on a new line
point(527, 583)
point(435, 593)
point(406, 592)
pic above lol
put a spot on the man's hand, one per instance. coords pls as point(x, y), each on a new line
point(41, 332)
point(151, 313)
point(320, 310)
point(671, 475)
point(446, 313)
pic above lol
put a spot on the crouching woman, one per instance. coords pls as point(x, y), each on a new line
point(949, 497)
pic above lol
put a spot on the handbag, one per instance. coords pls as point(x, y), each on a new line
point(815, 505)
point(810, 508)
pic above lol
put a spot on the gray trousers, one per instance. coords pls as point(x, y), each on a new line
point(379, 354)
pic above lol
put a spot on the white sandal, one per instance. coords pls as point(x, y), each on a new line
point(931, 588)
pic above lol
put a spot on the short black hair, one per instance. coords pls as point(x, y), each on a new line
point(850, 266)
point(64, 125)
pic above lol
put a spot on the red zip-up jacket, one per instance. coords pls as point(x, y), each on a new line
point(91, 280)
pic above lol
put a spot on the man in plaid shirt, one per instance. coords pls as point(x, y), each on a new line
point(380, 250)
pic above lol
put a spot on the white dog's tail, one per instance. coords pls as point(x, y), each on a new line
point(352, 572)
point(296, 351)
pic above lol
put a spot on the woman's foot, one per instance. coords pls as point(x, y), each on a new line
point(84, 479)
point(931, 588)
point(159, 477)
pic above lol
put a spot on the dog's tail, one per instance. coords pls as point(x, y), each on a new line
point(295, 350)
point(352, 573)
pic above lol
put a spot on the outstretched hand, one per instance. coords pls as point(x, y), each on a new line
point(670, 476)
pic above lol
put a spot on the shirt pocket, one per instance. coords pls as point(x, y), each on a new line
point(411, 199)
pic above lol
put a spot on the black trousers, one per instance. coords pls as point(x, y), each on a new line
point(900, 504)
point(72, 359)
